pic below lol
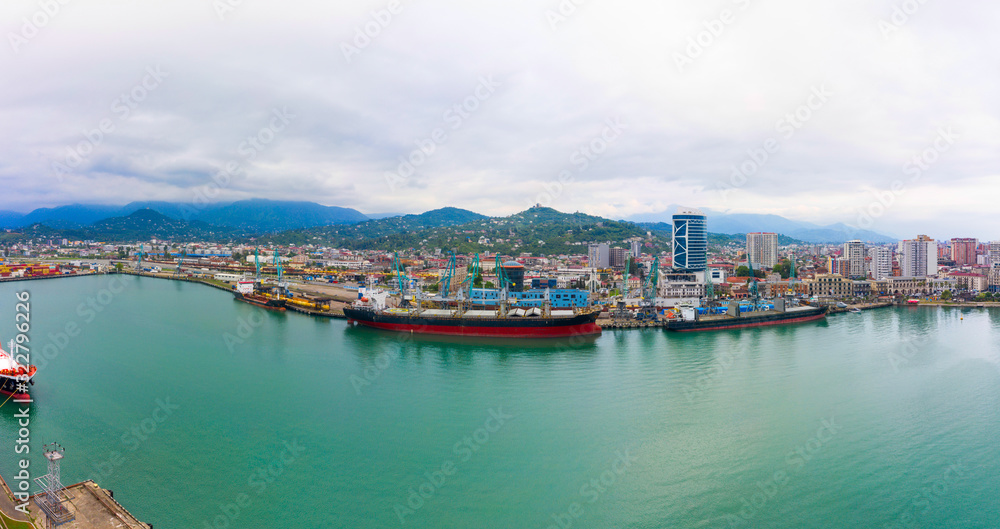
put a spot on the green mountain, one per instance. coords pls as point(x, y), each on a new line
point(376, 229)
point(254, 215)
point(147, 224)
point(269, 216)
point(539, 231)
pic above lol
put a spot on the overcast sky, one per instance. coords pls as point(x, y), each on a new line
point(611, 108)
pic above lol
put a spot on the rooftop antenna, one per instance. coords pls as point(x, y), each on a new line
point(52, 496)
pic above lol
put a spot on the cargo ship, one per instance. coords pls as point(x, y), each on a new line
point(14, 377)
point(688, 319)
point(247, 292)
point(536, 322)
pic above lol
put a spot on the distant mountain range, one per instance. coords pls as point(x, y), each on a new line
point(752, 222)
point(141, 225)
point(300, 221)
point(255, 215)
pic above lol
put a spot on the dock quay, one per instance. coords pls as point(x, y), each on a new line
point(861, 306)
point(90, 506)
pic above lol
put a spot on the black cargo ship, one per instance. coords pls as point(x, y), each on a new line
point(737, 319)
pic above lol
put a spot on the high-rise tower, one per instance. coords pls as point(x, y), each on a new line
point(690, 240)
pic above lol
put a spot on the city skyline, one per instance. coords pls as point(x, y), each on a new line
point(536, 106)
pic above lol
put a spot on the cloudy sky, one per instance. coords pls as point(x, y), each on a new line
point(882, 114)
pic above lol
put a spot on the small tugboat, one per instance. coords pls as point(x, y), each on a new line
point(14, 377)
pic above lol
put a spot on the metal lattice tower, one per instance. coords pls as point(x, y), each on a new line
point(51, 498)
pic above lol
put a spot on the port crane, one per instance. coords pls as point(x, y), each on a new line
point(791, 275)
point(138, 263)
point(256, 260)
point(474, 273)
point(180, 262)
point(449, 273)
point(621, 311)
point(282, 286)
point(401, 279)
point(754, 291)
point(647, 307)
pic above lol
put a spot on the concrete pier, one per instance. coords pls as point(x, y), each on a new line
point(92, 507)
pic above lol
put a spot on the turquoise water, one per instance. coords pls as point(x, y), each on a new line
point(881, 419)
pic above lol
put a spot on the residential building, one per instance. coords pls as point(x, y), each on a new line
point(834, 285)
point(690, 240)
point(993, 279)
point(919, 285)
point(599, 255)
point(635, 248)
point(970, 281)
point(762, 249)
point(880, 262)
point(854, 252)
point(963, 251)
point(918, 257)
point(618, 256)
point(838, 265)
point(995, 254)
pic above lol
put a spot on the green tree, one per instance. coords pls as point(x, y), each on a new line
point(946, 295)
point(784, 268)
point(744, 271)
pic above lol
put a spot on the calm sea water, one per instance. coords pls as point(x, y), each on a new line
point(201, 411)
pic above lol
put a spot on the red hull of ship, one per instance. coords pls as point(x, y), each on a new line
point(17, 397)
point(761, 324)
point(490, 332)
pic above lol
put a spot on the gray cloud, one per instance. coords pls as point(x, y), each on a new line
point(892, 90)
